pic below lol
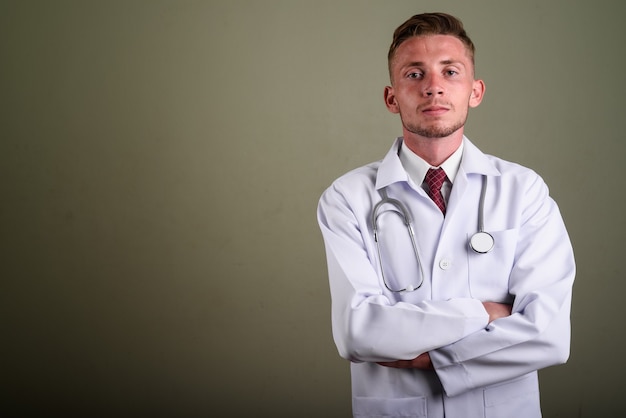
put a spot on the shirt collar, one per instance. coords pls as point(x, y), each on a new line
point(416, 167)
point(472, 161)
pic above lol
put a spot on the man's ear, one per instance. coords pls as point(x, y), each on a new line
point(390, 100)
point(478, 92)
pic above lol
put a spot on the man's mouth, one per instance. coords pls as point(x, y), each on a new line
point(435, 110)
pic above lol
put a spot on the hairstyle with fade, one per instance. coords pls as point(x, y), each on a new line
point(430, 24)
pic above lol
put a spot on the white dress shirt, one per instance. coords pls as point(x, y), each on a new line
point(416, 167)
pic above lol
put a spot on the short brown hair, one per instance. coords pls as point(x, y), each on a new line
point(430, 24)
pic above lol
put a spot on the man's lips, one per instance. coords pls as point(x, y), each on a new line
point(435, 110)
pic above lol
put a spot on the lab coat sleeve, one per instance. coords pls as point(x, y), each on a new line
point(537, 334)
point(366, 325)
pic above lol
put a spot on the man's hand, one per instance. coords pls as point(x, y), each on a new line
point(420, 362)
point(497, 310)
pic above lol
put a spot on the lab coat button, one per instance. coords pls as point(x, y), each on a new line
point(445, 264)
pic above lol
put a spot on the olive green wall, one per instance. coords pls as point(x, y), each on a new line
point(160, 165)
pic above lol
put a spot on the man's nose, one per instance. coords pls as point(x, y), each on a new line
point(433, 86)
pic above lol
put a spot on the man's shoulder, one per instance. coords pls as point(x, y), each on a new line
point(484, 163)
point(517, 176)
point(507, 166)
point(364, 175)
point(511, 167)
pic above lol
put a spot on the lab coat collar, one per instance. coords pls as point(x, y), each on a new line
point(472, 162)
point(391, 170)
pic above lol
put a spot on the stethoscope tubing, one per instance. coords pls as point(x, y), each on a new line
point(481, 242)
point(408, 221)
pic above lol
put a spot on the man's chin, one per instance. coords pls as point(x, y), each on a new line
point(435, 131)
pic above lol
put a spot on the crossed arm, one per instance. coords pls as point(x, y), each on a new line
point(495, 311)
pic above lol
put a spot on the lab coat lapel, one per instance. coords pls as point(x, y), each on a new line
point(391, 170)
point(474, 164)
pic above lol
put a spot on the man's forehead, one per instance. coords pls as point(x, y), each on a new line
point(423, 48)
point(431, 44)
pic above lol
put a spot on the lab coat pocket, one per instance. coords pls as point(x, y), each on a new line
point(488, 273)
point(388, 407)
point(517, 398)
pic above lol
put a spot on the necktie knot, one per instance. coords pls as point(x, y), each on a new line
point(434, 179)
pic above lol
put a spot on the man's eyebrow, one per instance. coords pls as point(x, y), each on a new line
point(443, 62)
point(414, 64)
point(452, 62)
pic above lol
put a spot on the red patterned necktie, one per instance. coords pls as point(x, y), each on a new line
point(435, 178)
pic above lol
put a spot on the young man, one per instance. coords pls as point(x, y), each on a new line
point(455, 319)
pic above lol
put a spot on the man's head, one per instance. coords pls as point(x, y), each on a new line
point(432, 77)
point(429, 24)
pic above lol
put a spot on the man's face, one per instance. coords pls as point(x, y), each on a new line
point(433, 86)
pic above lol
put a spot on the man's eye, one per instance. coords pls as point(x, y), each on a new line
point(414, 75)
point(451, 72)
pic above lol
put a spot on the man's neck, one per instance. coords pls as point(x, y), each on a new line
point(434, 150)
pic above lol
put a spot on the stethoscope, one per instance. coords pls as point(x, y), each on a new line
point(481, 242)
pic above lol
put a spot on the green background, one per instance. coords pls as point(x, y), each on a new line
point(160, 166)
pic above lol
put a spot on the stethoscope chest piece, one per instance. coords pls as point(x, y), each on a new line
point(481, 242)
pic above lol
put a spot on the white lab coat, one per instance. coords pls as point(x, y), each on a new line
point(481, 369)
